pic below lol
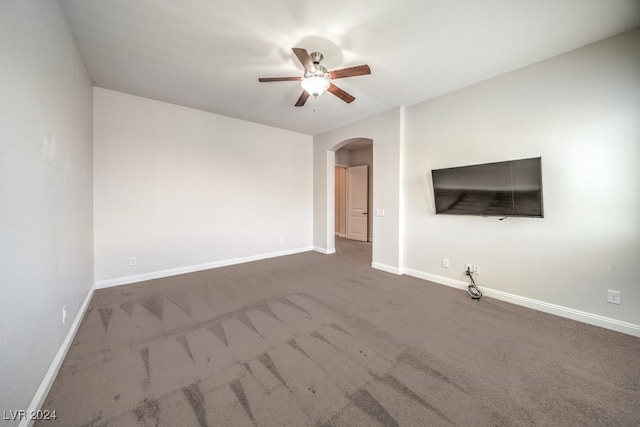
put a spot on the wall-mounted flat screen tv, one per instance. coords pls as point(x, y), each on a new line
point(510, 188)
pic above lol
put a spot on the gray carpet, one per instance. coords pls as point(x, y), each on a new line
point(313, 339)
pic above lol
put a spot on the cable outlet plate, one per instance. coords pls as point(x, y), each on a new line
point(613, 296)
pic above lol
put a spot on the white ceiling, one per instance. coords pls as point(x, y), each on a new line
point(208, 54)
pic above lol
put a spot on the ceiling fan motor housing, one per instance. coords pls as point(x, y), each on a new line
point(320, 71)
point(316, 57)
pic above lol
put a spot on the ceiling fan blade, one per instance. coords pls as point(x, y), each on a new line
point(304, 58)
point(360, 70)
point(302, 99)
point(340, 93)
point(279, 79)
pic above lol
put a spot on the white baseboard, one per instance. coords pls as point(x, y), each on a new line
point(50, 376)
point(437, 279)
point(558, 310)
point(324, 250)
point(193, 268)
point(387, 268)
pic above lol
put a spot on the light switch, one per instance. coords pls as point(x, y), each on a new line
point(379, 212)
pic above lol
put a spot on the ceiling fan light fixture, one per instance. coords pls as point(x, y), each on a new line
point(315, 85)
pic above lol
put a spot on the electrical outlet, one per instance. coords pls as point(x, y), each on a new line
point(476, 269)
point(64, 314)
point(468, 267)
point(445, 262)
point(282, 240)
point(133, 261)
point(613, 296)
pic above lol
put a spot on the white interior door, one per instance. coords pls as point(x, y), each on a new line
point(357, 202)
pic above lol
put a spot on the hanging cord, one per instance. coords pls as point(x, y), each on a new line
point(473, 290)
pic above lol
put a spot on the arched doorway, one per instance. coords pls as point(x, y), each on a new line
point(352, 221)
point(354, 160)
point(386, 130)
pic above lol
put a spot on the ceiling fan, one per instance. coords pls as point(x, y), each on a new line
point(317, 79)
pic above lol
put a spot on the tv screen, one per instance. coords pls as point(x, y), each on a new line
point(510, 188)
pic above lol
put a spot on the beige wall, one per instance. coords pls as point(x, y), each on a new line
point(183, 190)
point(581, 113)
point(46, 220)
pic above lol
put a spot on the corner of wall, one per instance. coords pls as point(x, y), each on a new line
point(56, 363)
